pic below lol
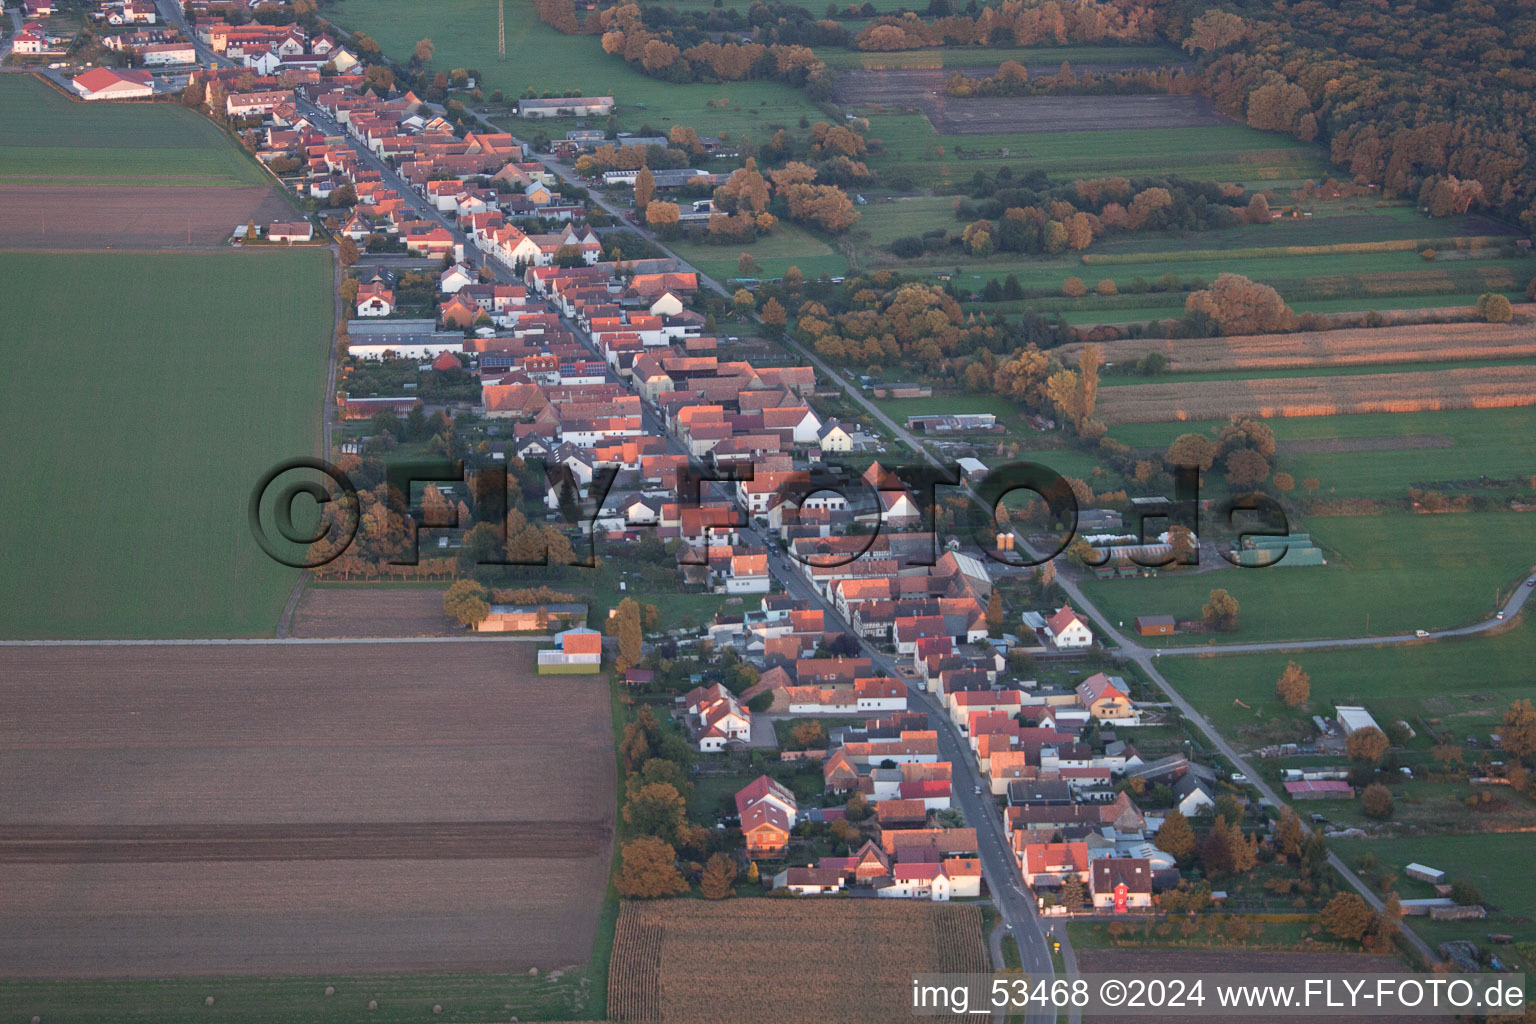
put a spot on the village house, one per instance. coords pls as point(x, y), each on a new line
point(1067, 631)
point(1105, 698)
point(291, 231)
point(1120, 884)
point(253, 104)
point(768, 811)
point(375, 298)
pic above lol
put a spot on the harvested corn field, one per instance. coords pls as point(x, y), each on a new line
point(849, 960)
point(1493, 387)
point(1364, 346)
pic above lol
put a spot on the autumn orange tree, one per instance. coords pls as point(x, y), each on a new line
point(1367, 746)
point(664, 218)
point(1220, 611)
point(625, 624)
point(649, 870)
point(1294, 686)
point(718, 881)
point(465, 601)
point(645, 190)
point(1240, 306)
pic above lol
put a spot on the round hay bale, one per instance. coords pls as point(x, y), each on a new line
point(373, 1004)
point(437, 1008)
point(330, 990)
point(37, 1020)
point(208, 1001)
point(533, 972)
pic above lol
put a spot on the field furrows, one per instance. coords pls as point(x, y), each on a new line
point(411, 840)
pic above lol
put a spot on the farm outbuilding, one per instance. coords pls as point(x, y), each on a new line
point(1424, 873)
point(1296, 549)
point(1352, 719)
point(1155, 625)
point(578, 651)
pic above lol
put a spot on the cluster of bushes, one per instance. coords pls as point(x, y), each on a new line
point(1012, 79)
point(1030, 214)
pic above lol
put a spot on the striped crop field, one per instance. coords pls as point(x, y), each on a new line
point(1361, 346)
point(1260, 252)
point(1488, 387)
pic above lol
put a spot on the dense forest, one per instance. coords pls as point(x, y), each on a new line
point(1429, 99)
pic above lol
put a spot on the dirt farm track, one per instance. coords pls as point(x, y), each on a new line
point(132, 217)
point(274, 810)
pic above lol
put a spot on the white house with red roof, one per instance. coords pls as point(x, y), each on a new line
point(1067, 630)
point(375, 298)
point(918, 881)
point(765, 790)
point(33, 38)
point(718, 717)
point(114, 84)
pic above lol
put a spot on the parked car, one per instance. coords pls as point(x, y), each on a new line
point(1239, 777)
point(1421, 632)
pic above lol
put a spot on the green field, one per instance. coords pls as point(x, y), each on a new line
point(1483, 860)
point(47, 139)
point(1465, 682)
point(1341, 275)
point(400, 998)
point(1493, 442)
point(464, 32)
point(787, 246)
point(1386, 574)
point(1228, 152)
point(144, 408)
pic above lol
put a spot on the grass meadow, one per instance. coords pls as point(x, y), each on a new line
point(143, 410)
point(1483, 860)
point(1465, 682)
point(787, 246)
point(464, 33)
point(1493, 442)
point(1386, 574)
point(47, 139)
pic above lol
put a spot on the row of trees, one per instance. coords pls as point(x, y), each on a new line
point(656, 791)
point(1016, 22)
point(1012, 79)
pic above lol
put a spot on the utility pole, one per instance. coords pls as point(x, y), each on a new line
point(501, 29)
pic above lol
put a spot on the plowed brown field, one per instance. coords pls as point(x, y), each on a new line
point(171, 810)
point(1417, 343)
point(132, 217)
